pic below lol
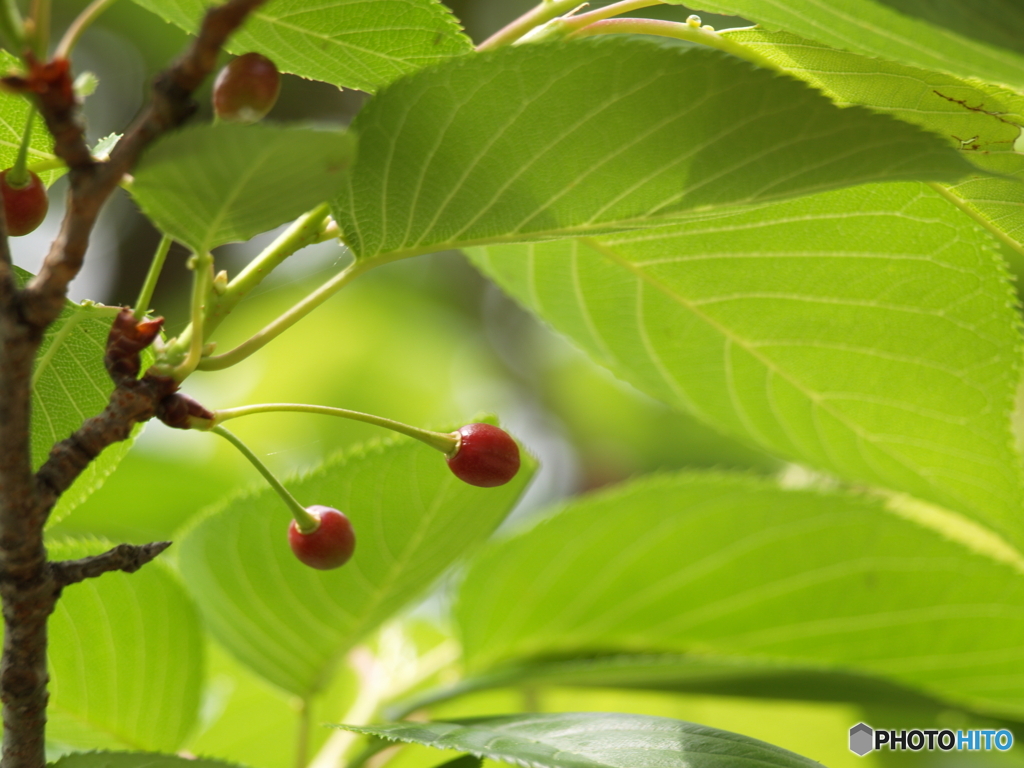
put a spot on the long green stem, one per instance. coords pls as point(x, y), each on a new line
point(615, 9)
point(192, 338)
point(288, 319)
point(544, 12)
point(306, 522)
point(79, 25)
point(442, 441)
point(155, 266)
point(691, 32)
point(307, 229)
point(41, 24)
point(12, 28)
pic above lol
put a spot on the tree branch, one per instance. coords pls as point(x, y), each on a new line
point(124, 557)
point(91, 182)
point(29, 586)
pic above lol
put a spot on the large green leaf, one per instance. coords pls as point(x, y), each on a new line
point(685, 673)
point(591, 740)
point(719, 566)
point(982, 120)
point(545, 141)
point(870, 332)
point(133, 760)
point(351, 43)
point(125, 656)
point(214, 184)
point(945, 36)
point(292, 624)
point(69, 385)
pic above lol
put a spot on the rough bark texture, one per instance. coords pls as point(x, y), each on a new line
point(29, 584)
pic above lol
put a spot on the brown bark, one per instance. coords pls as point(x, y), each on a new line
point(29, 585)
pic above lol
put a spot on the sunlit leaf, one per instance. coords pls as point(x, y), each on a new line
point(983, 121)
point(125, 657)
point(292, 624)
point(350, 43)
point(869, 332)
point(215, 184)
point(981, 40)
point(725, 566)
point(545, 141)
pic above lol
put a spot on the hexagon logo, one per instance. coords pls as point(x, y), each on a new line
point(862, 739)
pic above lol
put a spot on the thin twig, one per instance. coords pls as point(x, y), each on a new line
point(124, 557)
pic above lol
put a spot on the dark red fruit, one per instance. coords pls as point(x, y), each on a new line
point(24, 207)
point(329, 546)
point(246, 89)
point(487, 456)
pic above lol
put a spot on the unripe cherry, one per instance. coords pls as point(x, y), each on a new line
point(330, 545)
point(246, 89)
point(24, 207)
point(486, 456)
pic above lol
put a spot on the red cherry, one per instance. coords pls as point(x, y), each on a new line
point(246, 89)
point(24, 207)
point(487, 456)
point(330, 545)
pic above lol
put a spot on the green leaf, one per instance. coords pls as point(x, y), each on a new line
point(291, 623)
point(209, 185)
point(545, 141)
point(69, 385)
point(125, 657)
point(466, 761)
point(684, 673)
point(133, 760)
point(869, 332)
point(982, 120)
point(732, 566)
point(591, 740)
point(956, 37)
point(349, 43)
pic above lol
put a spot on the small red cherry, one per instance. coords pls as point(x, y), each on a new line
point(486, 456)
point(246, 89)
point(330, 545)
point(24, 207)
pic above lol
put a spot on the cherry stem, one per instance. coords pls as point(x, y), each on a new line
point(41, 23)
point(155, 266)
point(542, 13)
point(312, 227)
point(79, 25)
point(192, 338)
point(12, 28)
point(689, 30)
point(445, 442)
point(571, 23)
point(18, 176)
point(306, 522)
point(288, 319)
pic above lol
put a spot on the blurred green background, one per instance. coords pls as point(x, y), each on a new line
point(427, 341)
